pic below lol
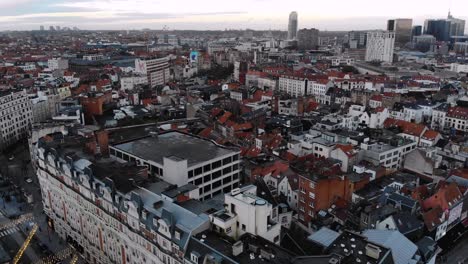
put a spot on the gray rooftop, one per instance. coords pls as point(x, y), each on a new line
point(177, 146)
point(324, 237)
point(402, 248)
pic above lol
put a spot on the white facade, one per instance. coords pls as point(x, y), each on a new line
point(248, 213)
point(133, 230)
point(156, 69)
point(57, 64)
point(459, 68)
point(380, 45)
point(129, 82)
point(15, 117)
point(413, 114)
point(211, 176)
point(294, 86)
point(387, 155)
point(318, 89)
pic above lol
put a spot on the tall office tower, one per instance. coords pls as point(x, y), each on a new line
point(402, 28)
point(443, 29)
point(51, 28)
point(439, 28)
point(457, 26)
point(42, 28)
point(308, 39)
point(292, 25)
point(157, 70)
point(380, 45)
point(416, 31)
point(357, 39)
point(58, 28)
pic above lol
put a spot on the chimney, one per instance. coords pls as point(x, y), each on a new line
point(372, 251)
point(102, 138)
point(237, 248)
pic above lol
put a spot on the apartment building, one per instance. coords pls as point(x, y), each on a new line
point(57, 64)
point(102, 208)
point(247, 213)
point(156, 69)
point(180, 158)
point(389, 155)
point(15, 117)
point(380, 45)
point(292, 85)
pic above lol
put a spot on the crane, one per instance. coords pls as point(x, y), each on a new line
point(25, 245)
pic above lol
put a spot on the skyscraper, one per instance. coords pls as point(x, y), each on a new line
point(380, 45)
point(308, 39)
point(417, 31)
point(457, 26)
point(402, 28)
point(42, 28)
point(443, 29)
point(292, 25)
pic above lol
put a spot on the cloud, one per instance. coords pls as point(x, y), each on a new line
point(216, 14)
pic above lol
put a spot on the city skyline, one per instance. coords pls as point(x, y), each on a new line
point(208, 15)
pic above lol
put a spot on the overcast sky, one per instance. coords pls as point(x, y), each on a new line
point(220, 14)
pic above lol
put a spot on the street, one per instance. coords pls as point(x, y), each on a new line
point(18, 216)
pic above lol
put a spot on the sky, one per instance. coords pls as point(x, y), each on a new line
point(220, 14)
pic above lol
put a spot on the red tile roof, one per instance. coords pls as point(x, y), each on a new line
point(225, 117)
point(430, 135)
point(433, 218)
point(376, 97)
point(406, 127)
point(445, 197)
point(458, 112)
point(347, 149)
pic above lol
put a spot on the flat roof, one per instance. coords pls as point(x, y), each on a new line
point(177, 146)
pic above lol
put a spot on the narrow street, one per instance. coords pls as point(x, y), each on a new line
point(18, 216)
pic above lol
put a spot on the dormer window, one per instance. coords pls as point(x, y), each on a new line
point(194, 257)
point(177, 235)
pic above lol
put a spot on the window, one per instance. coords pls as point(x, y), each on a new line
point(207, 168)
point(177, 235)
point(216, 164)
point(226, 160)
point(194, 257)
point(207, 178)
point(312, 185)
point(198, 171)
point(190, 174)
point(312, 195)
point(243, 227)
point(216, 174)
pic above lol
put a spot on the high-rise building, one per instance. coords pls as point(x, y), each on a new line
point(51, 28)
point(357, 39)
point(443, 29)
point(15, 116)
point(157, 70)
point(457, 26)
point(402, 28)
point(42, 28)
point(308, 39)
point(416, 31)
point(292, 25)
point(380, 45)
